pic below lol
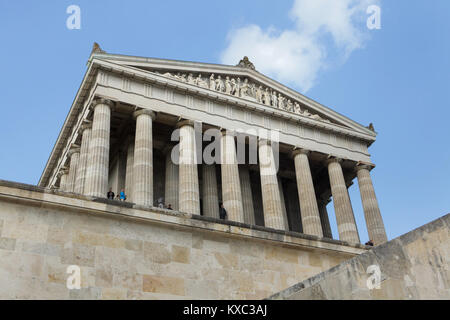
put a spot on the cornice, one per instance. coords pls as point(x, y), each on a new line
point(142, 75)
point(177, 65)
point(121, 65)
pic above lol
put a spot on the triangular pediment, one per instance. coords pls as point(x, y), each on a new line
point(240, 81)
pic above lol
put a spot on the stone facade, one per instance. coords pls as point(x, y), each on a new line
point(128, 251)
point(140, 128)
point(131, 114)
point(413, 266)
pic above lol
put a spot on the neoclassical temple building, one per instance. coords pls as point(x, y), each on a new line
point(178, 138)
point(119, 135)
point(189, 135)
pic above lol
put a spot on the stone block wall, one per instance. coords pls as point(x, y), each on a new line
point(413, 266)
point(128, 252)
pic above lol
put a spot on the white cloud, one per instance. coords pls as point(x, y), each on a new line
point(297, 56)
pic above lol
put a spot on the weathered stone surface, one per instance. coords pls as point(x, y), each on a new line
point(180, 254)
point(126, 252)
point(413, 266)
point(344, 212)
point(375, 225)
point(231, 186)
point(143, 158)
point(163, 285)
point(96, 183)
point(7, 243)
point(308, 203)
point(188, 188)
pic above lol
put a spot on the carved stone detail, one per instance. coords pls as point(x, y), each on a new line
point(245, 63)
point(244, 89)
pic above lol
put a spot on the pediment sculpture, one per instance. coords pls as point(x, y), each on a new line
point(245, 89)
point(245, 63)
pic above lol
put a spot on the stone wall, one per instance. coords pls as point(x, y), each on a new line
point(413, 266)
point(130, 252)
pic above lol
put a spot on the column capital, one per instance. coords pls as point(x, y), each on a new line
point(364, 165)
point(149, 112)
point(331, 159)
point(264, 141)
point(185, 122)
point(99, 100)
point(87, 124)
point(298, 150)
point(62, 171)
point(74, 148)
point(228, 132)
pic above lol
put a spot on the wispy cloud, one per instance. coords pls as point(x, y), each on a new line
point(324, 31)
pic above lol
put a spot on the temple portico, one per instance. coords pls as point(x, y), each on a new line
point(121, 133)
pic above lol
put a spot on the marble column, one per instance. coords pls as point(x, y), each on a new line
point(372, 214)
point(63, 180)
point(129, 169)
point(273, 212)
point(306, 194)
point(325, 221)
point(143, 158)
point(74, 154)
point(342, 207)
point(283, 205)
point(86, 132)
point(210, 194)
point(231, 185)
point(96, 183)
point(188, 187)
point(171, 183)
point(247, 197)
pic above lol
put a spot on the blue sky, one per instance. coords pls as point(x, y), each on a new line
point(397, 77)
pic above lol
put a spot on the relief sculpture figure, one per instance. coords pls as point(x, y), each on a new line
point(246, 89)
point(212, 82)
point(228, 85)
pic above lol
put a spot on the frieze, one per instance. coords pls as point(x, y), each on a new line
point(244, 89)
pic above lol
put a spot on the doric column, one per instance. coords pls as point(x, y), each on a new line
point(171, 183)
point(306, 194)
point(143, 158)
point(325, 221)
point(342, 207)
point(372, 214)
point(86, 132)
point(283, 205)
point(247, 197)
point(96, 183)
point(129, 169)
point(210, 195)
point(273, 212)
point(63, 173)
point(188, 192)
point(231, 185)
point(74, 154)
